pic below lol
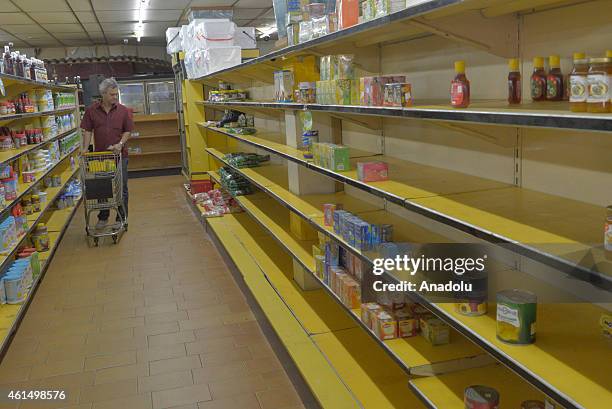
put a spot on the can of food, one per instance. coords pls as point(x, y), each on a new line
point(532, 404)
point(474, 302)
point(516, 316)
point(480, 397)
point(386, 233)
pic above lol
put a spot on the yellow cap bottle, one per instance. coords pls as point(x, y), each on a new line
point(513, 64)
point(538, 62)
point(460, 67)
point(579, 56)
point(554, 61)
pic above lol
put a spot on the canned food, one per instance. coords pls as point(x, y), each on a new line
point(473, 303)
point(516, 316)
point(532, 404)
point(386, 233)
point(481, 397)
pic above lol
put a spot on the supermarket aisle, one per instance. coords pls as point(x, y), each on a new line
point(154, 322)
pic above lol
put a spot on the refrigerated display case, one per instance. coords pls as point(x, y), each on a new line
point(148, 97)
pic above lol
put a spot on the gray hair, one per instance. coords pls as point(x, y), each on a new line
point(109, 83)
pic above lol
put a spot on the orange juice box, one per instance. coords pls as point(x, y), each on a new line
point(386, 325)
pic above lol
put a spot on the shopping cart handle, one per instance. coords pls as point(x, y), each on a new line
point(98, 153)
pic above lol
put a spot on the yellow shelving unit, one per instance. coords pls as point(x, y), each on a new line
point(526, 181)
point(10, 315)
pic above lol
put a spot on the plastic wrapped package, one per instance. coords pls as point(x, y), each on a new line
point(383, 7)
point(368, 10)
point(194, 64)
point(306, 33)
point(184, 36)
point(245, 37)
point(216, 59)
point(203, 34)
point(284, 82)
point(320, 26)
point(346, 69)
point(173, 40)
point(293, 34)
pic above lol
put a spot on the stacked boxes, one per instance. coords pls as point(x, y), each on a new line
point(358, 233)
point(372, 89)
point(337, 85)
point(331, 156)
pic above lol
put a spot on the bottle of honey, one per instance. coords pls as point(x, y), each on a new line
point(600, 73)
point(578, 83)
point(538, 80)
point(554, 80)
point(460, 87)
point(514, 82)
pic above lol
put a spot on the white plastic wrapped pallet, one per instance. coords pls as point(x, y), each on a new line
point(173, 40)
point(202, 34)
point(245, 37)
point(202, 62)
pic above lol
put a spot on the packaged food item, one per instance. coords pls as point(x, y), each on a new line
point(309, 138)
point(386, 233)
point(473, 303)
point(307, 93)
point(579, 87)
point(386, 325)
point(319, 266)
point(516, 316)
point(352, 293)
point(382, 8)
point(372, 171)
point(407, 324)
point(598, 78)
point(554, 80)
point(481, 397)
point(321, 26)
point(398, 94)
point(434, 330)
point(538, 80)
point(328, 212)
point(305, 31)
point(340, 161)
point(40, 238)
point(348, 13)
point(283, 85)
point(532, 404)
point(460, 87)
point(514, 82)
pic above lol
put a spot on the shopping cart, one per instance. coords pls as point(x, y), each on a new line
point(103, 190)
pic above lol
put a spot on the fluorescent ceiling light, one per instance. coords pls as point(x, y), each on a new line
point(140, 26)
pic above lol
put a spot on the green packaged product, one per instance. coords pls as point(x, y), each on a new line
point(343, 90)
point(516, 316)
point(340, 158)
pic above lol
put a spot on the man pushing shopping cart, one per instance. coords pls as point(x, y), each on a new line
point(111, 124)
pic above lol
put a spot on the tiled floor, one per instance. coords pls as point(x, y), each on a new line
point(154, 322)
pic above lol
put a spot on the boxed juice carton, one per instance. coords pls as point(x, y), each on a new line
point(386, 325)
point(340, 159)
point(372, 171)
point(434, 330)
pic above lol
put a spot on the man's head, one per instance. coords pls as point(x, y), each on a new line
point(109, 90)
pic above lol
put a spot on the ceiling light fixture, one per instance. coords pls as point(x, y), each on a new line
point(267, 30)
point(140, 26)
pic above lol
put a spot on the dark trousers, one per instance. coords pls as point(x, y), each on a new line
point(104, 214)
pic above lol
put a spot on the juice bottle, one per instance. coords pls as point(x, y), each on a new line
point(514, 82)
point(578, 83)
point(554, 80)
point(460, 87)
point(538, 80)
point(598, 78)
point(18, 64)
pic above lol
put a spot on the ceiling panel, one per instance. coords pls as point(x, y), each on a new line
point(162, 15)
point(77, 42)
point(64, 28)
point(23, 28)
point(116, 27)
point(14, 18)
point(242, 14)
point(6, 6)
point(114, 16)
point(170, 4)
point(92, 27)
point(40, 5)
point(70, 36)
point(115, 4)
point(208, 3)
point(44, 18)
point(79, 5)
point(254, 4)
point(85, 16)
point(269, 14)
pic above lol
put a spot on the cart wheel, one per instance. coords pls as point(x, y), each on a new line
point(96, 241)
point(114, 239)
